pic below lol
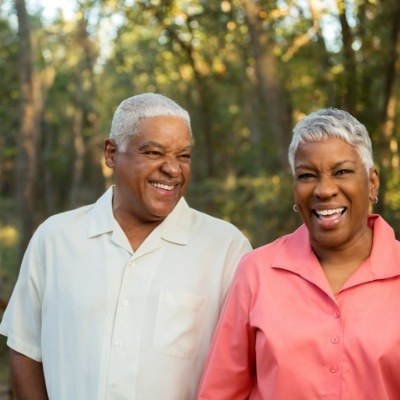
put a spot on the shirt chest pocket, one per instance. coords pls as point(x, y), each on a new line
point(179, 323)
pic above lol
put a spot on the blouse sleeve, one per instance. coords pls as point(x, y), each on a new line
point(230, 368)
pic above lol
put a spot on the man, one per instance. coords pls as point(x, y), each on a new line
point(119, 299)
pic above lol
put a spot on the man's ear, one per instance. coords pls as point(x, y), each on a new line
point(110, 148)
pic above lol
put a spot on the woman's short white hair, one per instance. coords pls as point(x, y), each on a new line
point(332, 122)
point(132, 110)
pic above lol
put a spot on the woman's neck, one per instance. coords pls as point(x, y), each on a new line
point(340, 263)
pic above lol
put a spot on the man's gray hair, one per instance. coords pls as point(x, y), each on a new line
point(132, 110)
point(332, 123)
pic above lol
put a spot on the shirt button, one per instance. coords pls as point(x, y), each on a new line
point(131, 263)
point(125, 302)
point(113, 385)
point(334, 369)
point(335, 340)
point(118, 343)
point(336, 314)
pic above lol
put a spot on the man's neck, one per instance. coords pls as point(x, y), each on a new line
point(135, 230)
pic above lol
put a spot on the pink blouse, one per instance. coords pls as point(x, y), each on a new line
point(283, 334)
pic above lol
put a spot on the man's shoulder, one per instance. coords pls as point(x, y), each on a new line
point(214, 225)
point(80, 215)
point(66, 219)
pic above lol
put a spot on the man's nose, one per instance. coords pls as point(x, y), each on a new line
point(171, 167)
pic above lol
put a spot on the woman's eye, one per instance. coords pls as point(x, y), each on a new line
point(305, 176)
point(343, 172)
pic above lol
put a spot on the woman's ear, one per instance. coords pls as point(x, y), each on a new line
point(374, 183)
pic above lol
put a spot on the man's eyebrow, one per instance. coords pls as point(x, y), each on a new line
point(151, 143)
point(190, 147)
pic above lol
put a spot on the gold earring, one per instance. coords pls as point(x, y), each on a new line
point(374, 199)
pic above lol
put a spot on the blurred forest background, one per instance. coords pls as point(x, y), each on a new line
point(246, 70)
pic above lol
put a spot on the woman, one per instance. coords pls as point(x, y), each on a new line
point(316, 314)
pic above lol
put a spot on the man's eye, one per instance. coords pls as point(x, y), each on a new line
point(185, 157)
point(153, 153)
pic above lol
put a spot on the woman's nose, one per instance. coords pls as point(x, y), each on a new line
point(325, 187)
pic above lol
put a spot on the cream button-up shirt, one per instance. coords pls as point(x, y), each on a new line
point(110, 323)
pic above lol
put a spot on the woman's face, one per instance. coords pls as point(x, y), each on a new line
point(332, 192)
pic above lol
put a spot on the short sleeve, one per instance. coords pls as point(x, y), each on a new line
point(22, 319)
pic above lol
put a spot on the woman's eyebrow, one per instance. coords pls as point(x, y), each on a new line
point(337, 164)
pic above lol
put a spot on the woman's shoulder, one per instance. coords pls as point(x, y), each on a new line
point(266, 253)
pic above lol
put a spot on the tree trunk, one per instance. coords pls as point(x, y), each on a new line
point(389, 143)
point(205, 110)
point(350, 72)
point(29, 130)
point(391, 98)
point(277, 110)
point(83, 106)
point(79, 154)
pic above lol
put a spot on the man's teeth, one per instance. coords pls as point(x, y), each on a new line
point(162, 186)
point(330, 212)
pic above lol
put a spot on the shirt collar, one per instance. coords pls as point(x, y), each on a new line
point(296, 255)
point(384, 261)
point(175, 227)
point(385, 254)
point(102, 218)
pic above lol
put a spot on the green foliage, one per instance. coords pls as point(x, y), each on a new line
point(8, 247)
point(200, 54)
point(391, 200)
point(9, 90)
point(261, 206)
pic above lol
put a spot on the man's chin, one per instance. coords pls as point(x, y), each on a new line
point(161, 209)
point(161, 214)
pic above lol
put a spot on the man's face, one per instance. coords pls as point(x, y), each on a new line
point(153, 173)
